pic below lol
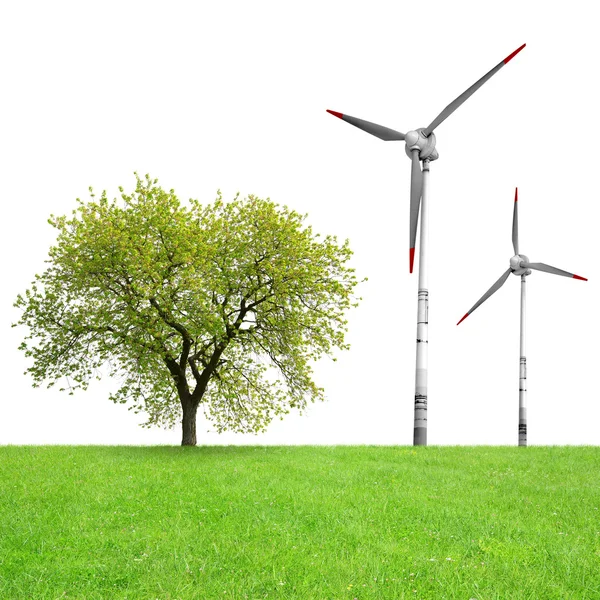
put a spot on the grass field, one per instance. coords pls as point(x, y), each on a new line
point(315, 523)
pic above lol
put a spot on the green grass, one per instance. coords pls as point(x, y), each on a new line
point(305, 522)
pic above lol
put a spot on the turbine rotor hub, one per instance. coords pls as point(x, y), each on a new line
point(417, 140)
point(515, 265)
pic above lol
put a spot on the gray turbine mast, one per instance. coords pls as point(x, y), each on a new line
point(520, 266)
point(420, 148)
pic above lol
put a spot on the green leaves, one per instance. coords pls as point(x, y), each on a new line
point(189, 303)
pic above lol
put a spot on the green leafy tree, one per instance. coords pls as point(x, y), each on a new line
point(223, 306)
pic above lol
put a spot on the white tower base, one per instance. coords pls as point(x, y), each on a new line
point(420, 427)
point(522, 373)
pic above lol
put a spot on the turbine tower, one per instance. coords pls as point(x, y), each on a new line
point(520, 266)
point(420, 147)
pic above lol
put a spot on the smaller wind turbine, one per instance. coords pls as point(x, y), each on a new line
point(520, 265)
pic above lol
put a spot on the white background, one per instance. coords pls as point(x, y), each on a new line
point(232, 95)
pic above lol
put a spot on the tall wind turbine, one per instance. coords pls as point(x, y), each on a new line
point(520, 265)
point(420, 147)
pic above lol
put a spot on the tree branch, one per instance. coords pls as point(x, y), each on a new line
point(194, 368)
point(187, 340)
point(208, 371)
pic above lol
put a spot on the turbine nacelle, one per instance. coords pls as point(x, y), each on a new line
point(515, 265)
point(417, 139)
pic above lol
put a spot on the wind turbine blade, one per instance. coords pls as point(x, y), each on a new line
point(549, 269)
point(467, 94)
point(383, 133)
point(515, 233)
point(416, 189)
point(492, 290)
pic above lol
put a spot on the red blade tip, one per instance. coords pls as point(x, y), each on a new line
point(463, 319)
point(516, 194)
point(511, 56)
point(411, 258)
point(577, 277)
point(335, 114)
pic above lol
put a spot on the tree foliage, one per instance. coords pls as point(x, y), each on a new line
point(189, 305)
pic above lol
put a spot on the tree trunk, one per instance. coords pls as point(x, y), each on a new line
point(189, 423)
